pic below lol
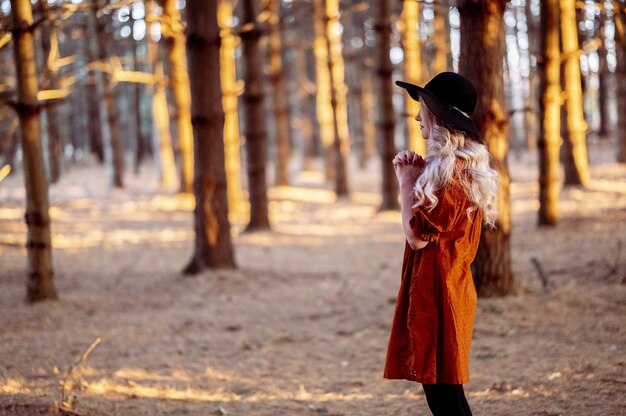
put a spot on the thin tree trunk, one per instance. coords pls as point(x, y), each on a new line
point(369, 126)
point(137, 88)
point(40, 273)
point(306, 110)
point(549, 71)
point(95, 95)
point(603, 80)
point(387, 125)
point(232, 140)
point(279, 98)
point(531, 101)
point(341, 142)
point(179, 84)
point(441, 37)
point(213, 246)
point(55, 143)
point(162, 138)
point(412, 70)
point(620, 75)
point(576, 160)
point(325, 114)
point(115, 144)
point(255, 121)
point(481, 61)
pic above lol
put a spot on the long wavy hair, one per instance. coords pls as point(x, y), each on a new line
point(445, 148)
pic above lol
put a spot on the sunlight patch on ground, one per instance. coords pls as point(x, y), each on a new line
point(311, 196)
point(13, 386)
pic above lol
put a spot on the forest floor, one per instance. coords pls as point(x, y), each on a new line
point(301, 327)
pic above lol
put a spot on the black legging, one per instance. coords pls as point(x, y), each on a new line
point(447, 400)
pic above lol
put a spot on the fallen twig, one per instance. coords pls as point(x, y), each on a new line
point(69, 382)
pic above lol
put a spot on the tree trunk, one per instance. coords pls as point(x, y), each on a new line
point(95, 91)
point(603, 80)
point(51, 82)
point(255, 120)
point(481, 61)
point(441, 37)
point(40, 274)
point(230, 87)
point(279, 98)
point(387, 124)
point(179, 84)
point(549, 71)
point(620, 75)
point(162, 138)
point(412, 70)
point(369, 126)
point(213, 246)
point(576, 160)
point(137, 89)
point(324, 108)
point(531, 101)
point(341, 142)
point(115, 147)
point(306, 110)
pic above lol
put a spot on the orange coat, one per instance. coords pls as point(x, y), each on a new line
point(434, 317)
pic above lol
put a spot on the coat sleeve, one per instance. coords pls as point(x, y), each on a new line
point(428, 224)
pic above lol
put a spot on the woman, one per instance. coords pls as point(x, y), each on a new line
point(445, 199)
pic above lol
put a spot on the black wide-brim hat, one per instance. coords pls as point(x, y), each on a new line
point(451, 97)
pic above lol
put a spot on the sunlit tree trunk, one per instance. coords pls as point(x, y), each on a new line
point(213, 246)
point(255, 119)
point(620, 75)
point(412, 70)
point(481, 61)
point(116, 144)
point(369, 126)
point(338, 93)
point(40, 274)
point(279, 98)
point(179, 84)
point(162, 139)
point(550, 104)
point(576, 161)
point(50, 47)
point(230, 91)
point(306, 110)
point(387, 122)
point(441, 36)
point(324, 108)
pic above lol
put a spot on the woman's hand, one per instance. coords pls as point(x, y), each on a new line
point(407, 165)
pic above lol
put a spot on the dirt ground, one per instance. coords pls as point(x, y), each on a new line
point(301, 327)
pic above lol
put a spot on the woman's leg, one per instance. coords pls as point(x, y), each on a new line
point(447, 400)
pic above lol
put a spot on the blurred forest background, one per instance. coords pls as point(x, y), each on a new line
point(143, 142)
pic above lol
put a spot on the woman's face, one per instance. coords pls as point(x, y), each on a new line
point(424, 120)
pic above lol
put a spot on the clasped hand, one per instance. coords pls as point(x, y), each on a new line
point(407, 165)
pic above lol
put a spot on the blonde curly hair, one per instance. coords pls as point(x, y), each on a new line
point(444, 148)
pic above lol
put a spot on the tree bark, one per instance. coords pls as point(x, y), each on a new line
point(40, 273)
point(412, 70)
point(95, 90)
point(230, 90)
point(213, 246)
point(576, 160)
point(603, 80)
point(387, 123)
point(481, 61)
point(255, 122)
point(279, 98)
point(179, 84)
point(549, 139)
point(341, 141)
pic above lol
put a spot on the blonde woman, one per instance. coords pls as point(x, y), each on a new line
point(446, 199)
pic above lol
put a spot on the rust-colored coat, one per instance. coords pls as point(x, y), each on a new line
point(432, 326)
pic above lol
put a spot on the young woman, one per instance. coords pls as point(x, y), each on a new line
point(446, 198)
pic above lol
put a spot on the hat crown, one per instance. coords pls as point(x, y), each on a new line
point(454, 90)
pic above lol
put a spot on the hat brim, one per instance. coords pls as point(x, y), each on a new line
point(444, 112)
